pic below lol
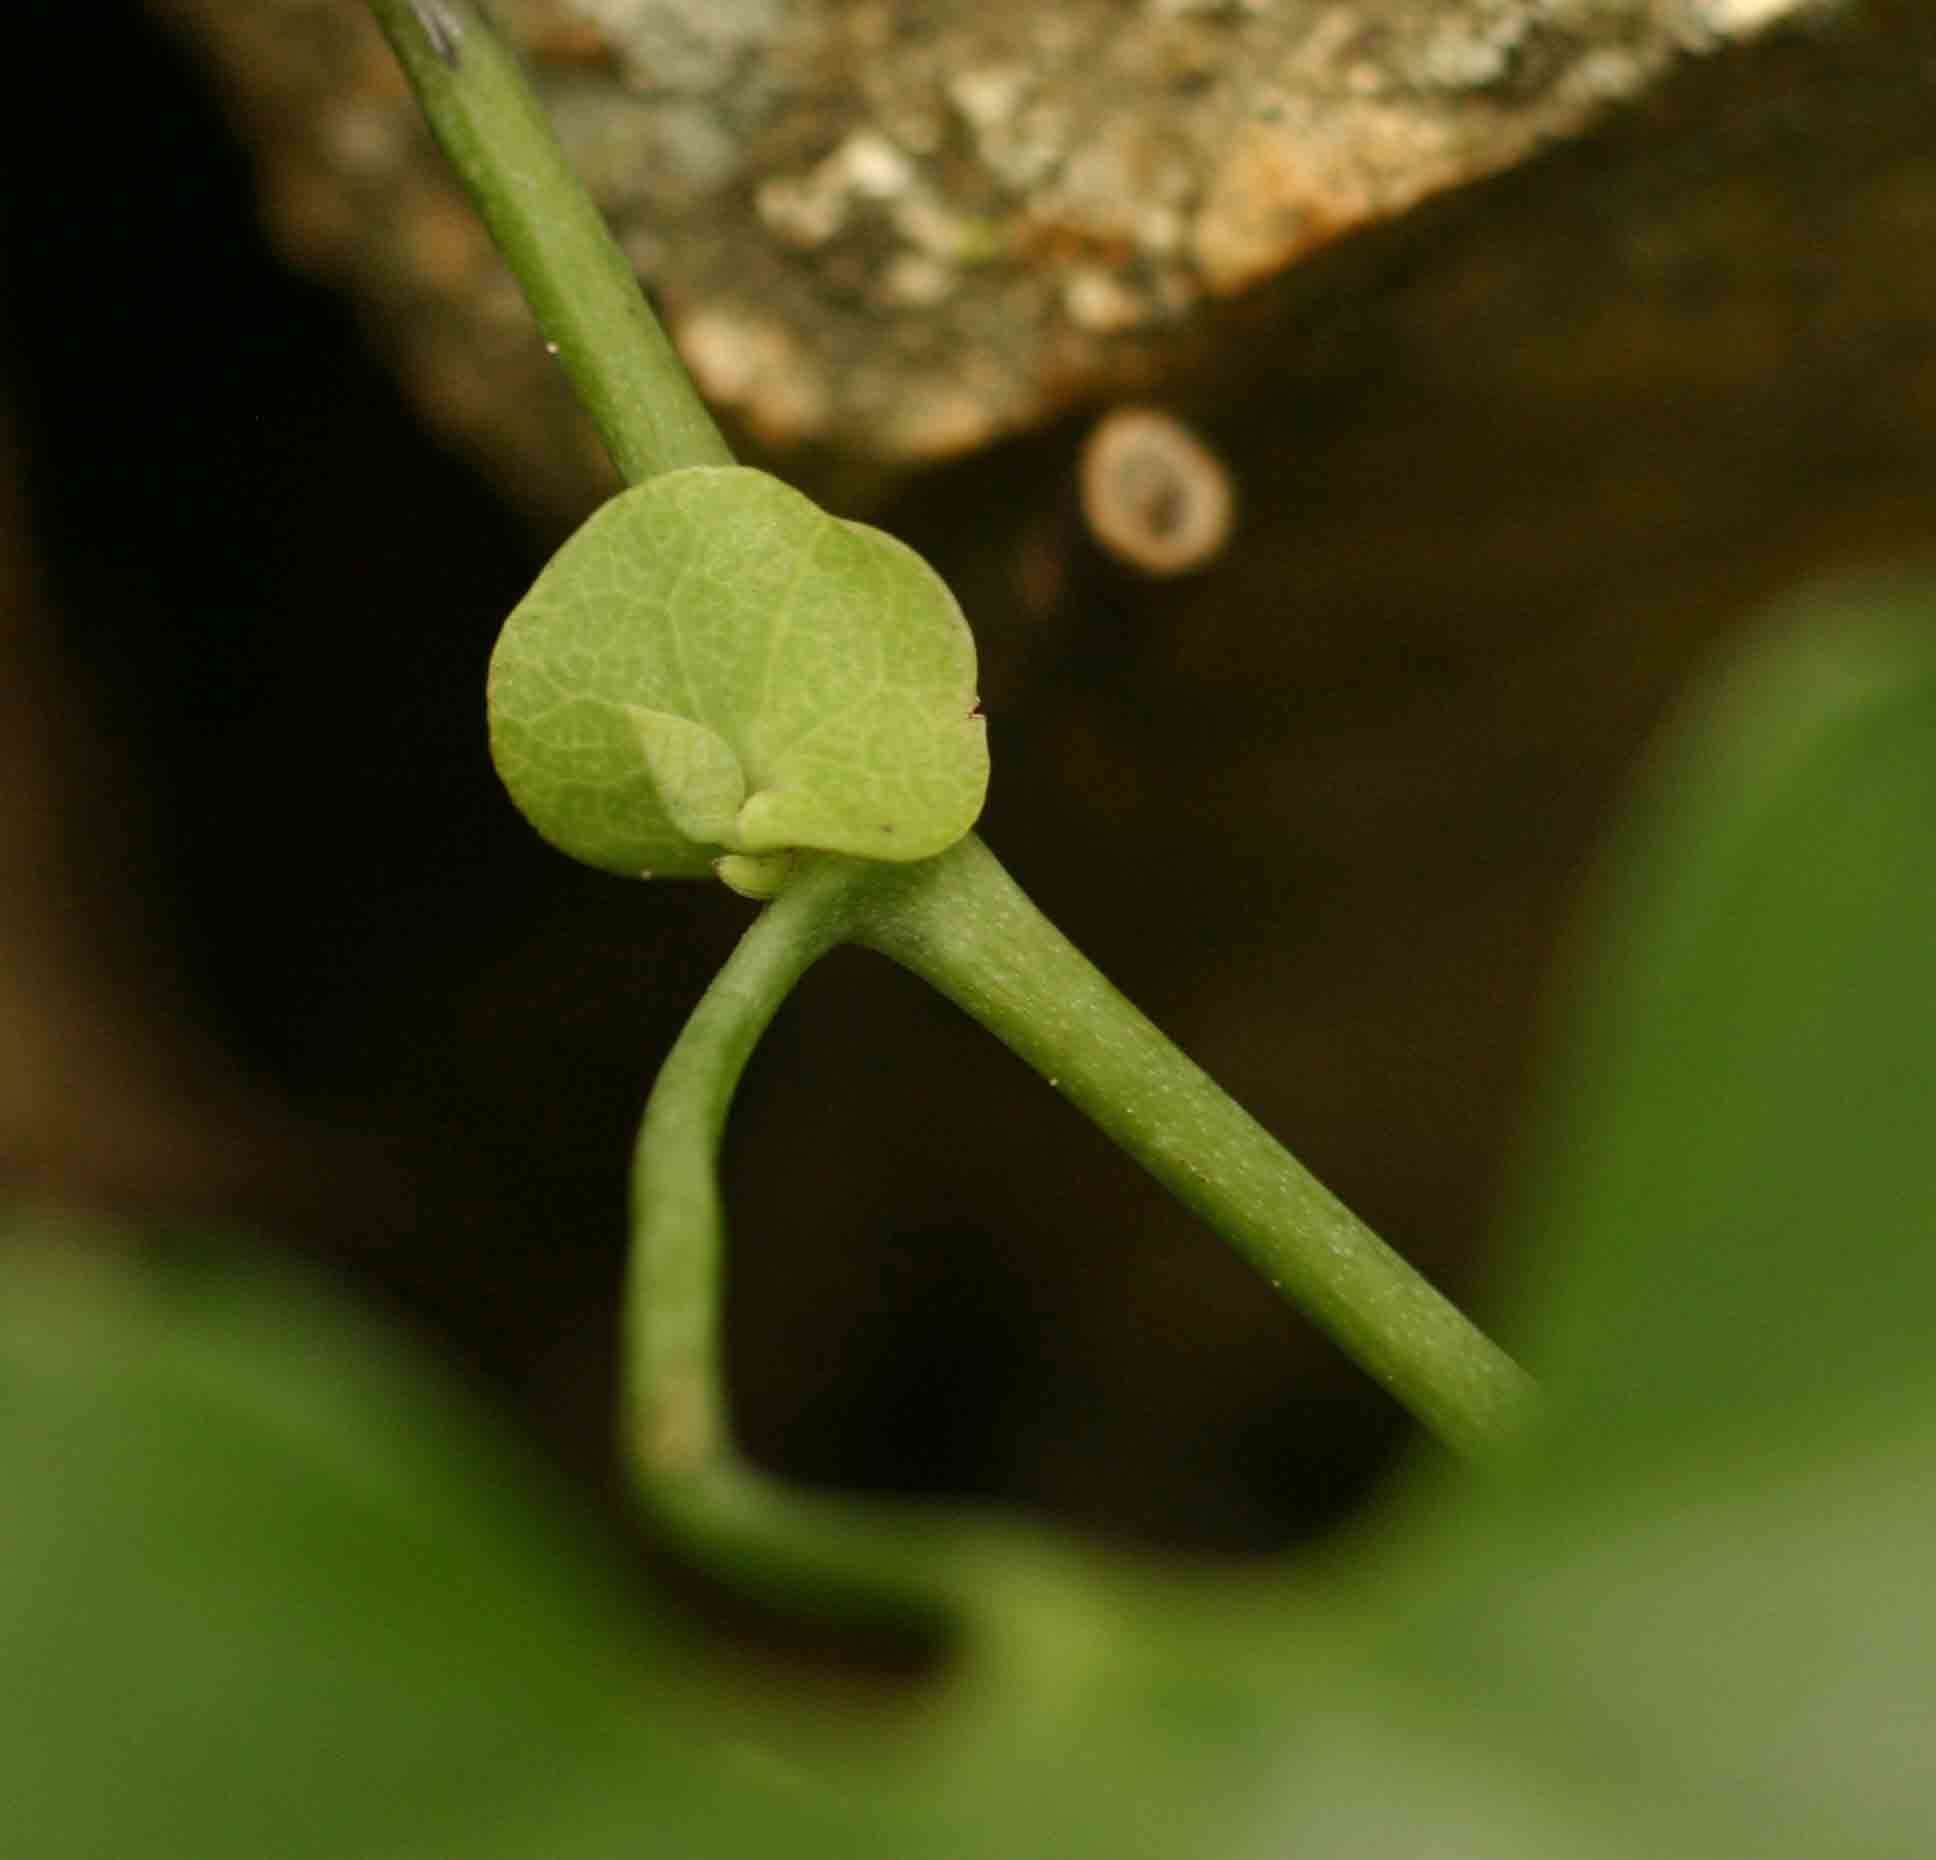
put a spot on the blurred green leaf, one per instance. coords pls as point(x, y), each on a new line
point(1704, 1609)
point(265, 1589)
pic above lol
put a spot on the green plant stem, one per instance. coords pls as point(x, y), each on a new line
point(962, 924)
point(678, 1443)
point(854, 1560)
point(674, 1401)
point(958, 920)
point(578, 283)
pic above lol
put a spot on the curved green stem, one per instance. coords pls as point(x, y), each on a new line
point(849, 1559)
point(958, 920)
point(580, 286)
point(961, 923)
point(675, 1405)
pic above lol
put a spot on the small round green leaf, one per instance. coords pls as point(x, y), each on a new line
point(713, 666)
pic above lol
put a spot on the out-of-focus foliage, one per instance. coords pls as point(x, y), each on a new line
point(265, 1588)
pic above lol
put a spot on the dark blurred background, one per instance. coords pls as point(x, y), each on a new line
point(277, 952)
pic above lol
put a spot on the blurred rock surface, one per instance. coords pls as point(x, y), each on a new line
point(889, 231)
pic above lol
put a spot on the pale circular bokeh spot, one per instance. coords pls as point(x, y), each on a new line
point(1153, 494)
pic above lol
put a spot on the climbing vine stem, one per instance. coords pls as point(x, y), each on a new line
point(987, 1579)
point(579, 284)
point(961, 923)
point(957, 920)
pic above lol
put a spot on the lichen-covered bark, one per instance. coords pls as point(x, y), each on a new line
point(888, 231)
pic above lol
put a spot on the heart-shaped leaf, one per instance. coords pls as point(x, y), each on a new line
point(713, 665)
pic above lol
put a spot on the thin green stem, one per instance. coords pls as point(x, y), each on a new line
point(578, 283)
point(961, 923)
point(675, 1404)
point(921, 1567)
